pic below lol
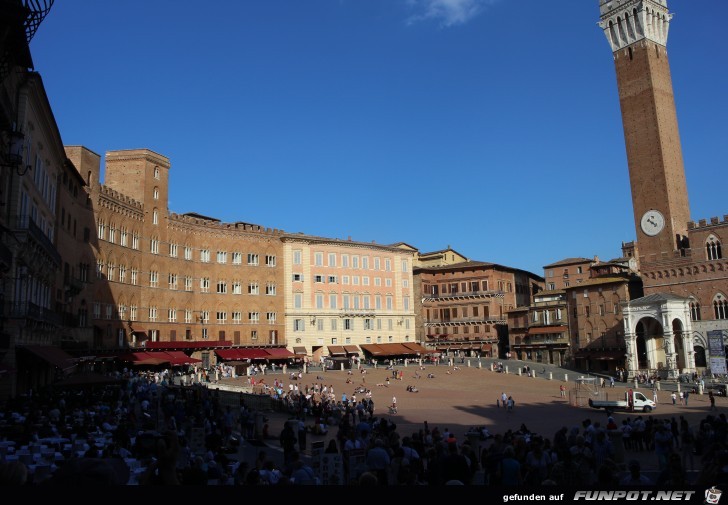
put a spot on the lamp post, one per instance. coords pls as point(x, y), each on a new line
point(11, 155)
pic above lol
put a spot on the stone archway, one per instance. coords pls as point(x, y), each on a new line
point(657, 334)
point(701, 357)
point(650, 343)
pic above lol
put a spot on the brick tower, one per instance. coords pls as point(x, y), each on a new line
point(637, 33)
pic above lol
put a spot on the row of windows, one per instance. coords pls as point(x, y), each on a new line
point(348, 324)
point(236, 258)
point(468, 287)
point(118, 273)
point(367, 340)
point(720, 308)
point(455, 330)
point(602, 310)
point(349, 261)
point(446, 314)
point(353, 280)
point(124, 313)
point(349, 301)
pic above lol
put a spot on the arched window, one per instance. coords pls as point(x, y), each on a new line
point(720, 306)
point(156, 172)
point(156, 193)
point(694, 310)
point(713, 248)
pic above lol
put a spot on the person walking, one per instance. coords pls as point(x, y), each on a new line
point(711, 397)
point(687, 395)
point(654, 395)
point(674, 397)
point(562, 391)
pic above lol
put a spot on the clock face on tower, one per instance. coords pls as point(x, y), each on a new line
point(652, 222)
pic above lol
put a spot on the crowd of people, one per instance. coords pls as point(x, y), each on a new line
point(148, 420)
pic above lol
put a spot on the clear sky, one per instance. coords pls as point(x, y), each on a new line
point(491, 126)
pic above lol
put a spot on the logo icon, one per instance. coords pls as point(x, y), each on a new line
point(712, 496)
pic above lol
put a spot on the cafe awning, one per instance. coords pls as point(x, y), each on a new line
point(144, 358)
point(227, 354)
point(337, 350)
point(414, 347)
point(279, 353)
point(177, 358)
point(300, 351)
point(252, 353)
point(396, 349)
point(188, 344)
point(351, 349)
point(373, 349)
point(52, 355)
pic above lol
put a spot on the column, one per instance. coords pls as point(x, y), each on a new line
point(687, 345)
point(630, 343)
point(670, 355)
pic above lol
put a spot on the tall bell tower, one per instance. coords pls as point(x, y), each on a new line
point(637, 33)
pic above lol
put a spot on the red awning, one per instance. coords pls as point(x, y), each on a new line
point(188, 344)
point(178, 358)
point(144, 358)
point(227, 354)
point(279, 353)
point(251, 353)
point(52, 355)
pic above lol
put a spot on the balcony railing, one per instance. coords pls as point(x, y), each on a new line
point(466, 321)
point(545, 340)
point(552, 322)
point(464, 294)
point(28, 227)
point(29, 310)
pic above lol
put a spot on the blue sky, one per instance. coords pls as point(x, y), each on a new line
point(491, 126)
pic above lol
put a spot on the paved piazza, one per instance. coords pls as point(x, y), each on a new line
point(467, 397)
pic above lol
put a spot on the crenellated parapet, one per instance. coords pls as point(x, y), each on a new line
point(119, 203)
point(708, 223)
point(201, 224)
point(626, 22)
